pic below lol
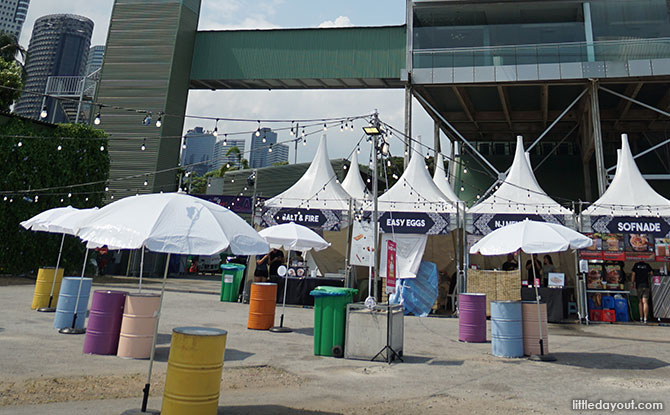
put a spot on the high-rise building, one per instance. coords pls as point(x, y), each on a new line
point(259, 147)
point(197, 156)
point(58, 47)
point(95, 56)
point(221, 156)
point(12, 15)
point(279, 154)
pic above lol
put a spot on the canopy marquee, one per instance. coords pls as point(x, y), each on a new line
point(519, 197)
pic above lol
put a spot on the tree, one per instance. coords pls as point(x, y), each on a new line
point(280, 163)
point(10, 77)
point(242, 163)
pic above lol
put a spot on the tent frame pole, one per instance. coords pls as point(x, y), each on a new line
point(347, 258)
point(53, 283)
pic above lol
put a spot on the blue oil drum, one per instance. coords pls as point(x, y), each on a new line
point(506, 329)
point(67, 299)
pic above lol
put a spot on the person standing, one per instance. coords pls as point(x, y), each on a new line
point(640, 279)
point(547, 268)
point(510, 264)
point(261, 272)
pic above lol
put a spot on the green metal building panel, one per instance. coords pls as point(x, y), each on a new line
point(284, 54)
point(146, 67)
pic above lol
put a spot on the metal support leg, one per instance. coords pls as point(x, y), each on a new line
point(408, 123)
point(598, 139)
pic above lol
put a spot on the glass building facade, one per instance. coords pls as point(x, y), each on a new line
point(463, 34)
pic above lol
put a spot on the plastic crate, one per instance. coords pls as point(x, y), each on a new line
point(596, 315)
point(608, 302)
point(609, 316)
point(621, 309)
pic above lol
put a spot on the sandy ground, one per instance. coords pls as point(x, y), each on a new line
point(44, 372)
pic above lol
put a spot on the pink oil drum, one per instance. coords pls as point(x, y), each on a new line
point(472, 317)
point(104, 322)
point(137, 326)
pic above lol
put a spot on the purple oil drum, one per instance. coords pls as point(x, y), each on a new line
point(104, 322)
point(471, 318)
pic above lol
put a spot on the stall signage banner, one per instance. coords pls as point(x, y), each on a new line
point(390, 267)
point(327, 220)
point(414, 222)
point(626, 224)
point(485, 223)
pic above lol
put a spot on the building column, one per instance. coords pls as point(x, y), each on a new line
point(408, 123)
point(436, 138)
point(597, 136)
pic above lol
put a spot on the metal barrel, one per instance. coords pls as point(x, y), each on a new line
point(137, 325)
point(472, 317)
point(262, 302)
point(531, 328)
point(506, 329)
point(67, 299)
point(45, 279)
point(193, 378)
point(104, 322)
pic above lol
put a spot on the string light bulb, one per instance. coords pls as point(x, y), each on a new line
point(43, 113)
point(146, 181)
point(97, 120)
point(144, 145)
point(258, 130)
point(59, 148)
point(215, 133)
point(102, 147)
point(325, 127)
point(20, 143)
point(270, 149)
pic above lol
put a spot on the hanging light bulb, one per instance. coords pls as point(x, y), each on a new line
point(69, 194)
point(264, 140)
point(112, 197)
point(325, 127)
point(344, 167)
point(341, 127)
point(388, 163)
point(106, 188)
point(59, 148)
point(270, 149)
point(358, 150)
point(159, 121)
point(36, 198)
point(102, 148)
point(462, 189)
point(20, 143)
point(427, 156)
point(258, 130)
point(215, 133)
point(96, 121)
point(478, 196)
point(291, 132)
point(303, 132)
point(227, 165)
point(43, 113)
point(225, 139)
point(144, 145)
point(86, 199)
point(146, 181)
point(304, 141)
point(465, 170)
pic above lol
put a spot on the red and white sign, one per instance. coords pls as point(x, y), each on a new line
point(391, 267)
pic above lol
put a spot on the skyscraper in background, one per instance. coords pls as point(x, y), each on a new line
point(221, 149)
point(279, 154)
point(95, 57)
point(12, 15)
point(259, 147)
point(58, 47)
point(199, 151)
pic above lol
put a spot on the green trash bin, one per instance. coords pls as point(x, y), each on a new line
point(330, 309)
point(231, 277)
point(634, 310)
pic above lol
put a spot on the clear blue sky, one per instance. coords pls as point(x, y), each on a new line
point(261, 14)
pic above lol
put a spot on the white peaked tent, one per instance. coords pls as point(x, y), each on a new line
point(353, 183)
point(316, 189)
point(415, 191)
point(441, 181)
point(629, 193)
point(520, 193)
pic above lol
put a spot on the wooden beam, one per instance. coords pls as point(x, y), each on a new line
point(504, 103)
point(466, 104)
point(544, 101)
point(624, 105)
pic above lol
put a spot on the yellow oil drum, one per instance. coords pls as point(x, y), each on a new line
point(45, 279)
point(137, 326)
point(193, 378)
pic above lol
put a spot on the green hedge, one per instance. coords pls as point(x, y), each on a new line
point(36, 164)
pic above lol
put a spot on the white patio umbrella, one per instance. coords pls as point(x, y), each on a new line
point(531, 237)
point(291, 237)
point(171, 223)
point(42, 222)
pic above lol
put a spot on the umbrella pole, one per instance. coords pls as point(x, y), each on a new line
point(281, 328)
point(141, 268)
point(48, 308)
point(73, 330)
point(537, 300)
point(145, 398)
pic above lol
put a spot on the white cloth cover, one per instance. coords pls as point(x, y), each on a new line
point(293, 237)
point(415, 191)
point(172, 223)
point(520, 192)
point(531, 237)
point(316, 189)
point(441, 180)
point(353, 183)
point(629, 193)
point(409, 252)
point(41, 221)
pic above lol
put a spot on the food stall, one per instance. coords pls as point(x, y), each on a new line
point(517, 198)
point(629, 223)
